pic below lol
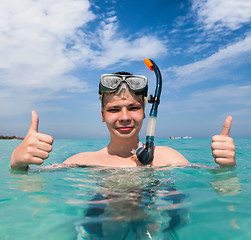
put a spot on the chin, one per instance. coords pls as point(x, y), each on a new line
point(126, 135)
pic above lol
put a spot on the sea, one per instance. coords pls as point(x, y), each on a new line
point(196, 203)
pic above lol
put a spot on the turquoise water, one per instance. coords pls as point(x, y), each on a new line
point(140, 203)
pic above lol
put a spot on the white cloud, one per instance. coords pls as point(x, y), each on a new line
point(226, 59)
point(228, 98)
point(33, 40)
point(42, 42)
point(228, 94)
point(243, 112)
point(35, 37)
point(119, 50)
point(112, 47)
point(34, 64)
point(218, 14)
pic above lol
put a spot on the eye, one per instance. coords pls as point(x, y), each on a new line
point(134, 108)
point(113, 110)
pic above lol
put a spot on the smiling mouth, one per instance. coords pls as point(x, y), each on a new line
point(125, 129)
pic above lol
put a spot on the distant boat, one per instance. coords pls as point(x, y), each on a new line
point(186, 137)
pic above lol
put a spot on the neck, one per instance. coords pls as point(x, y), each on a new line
point(123, 147)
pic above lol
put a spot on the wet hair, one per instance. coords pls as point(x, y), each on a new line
point(123, 73)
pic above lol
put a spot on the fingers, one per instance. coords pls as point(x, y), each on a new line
point(34, 122)
point(45, 147)
point(38, 145)
point(36, 153)
point(222, 153)
point(217, 139)
point(224, 162)
point(218, 145)
point(36, 161)
point(36, 150)
point(33, 149)
point(226, 126)
point(33, 131)
point(44, 138)
point(223, 148)
point(39, 142)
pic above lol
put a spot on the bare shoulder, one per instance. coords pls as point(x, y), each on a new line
point(166, 156)
point(84, 158)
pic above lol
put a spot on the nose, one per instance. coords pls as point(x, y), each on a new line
point(124, 115)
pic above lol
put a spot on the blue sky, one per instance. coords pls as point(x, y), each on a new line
point(53, 52)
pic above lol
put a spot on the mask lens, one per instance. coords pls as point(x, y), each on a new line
point(136, 83)
point(111, 81)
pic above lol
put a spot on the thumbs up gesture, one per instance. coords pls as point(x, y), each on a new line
point(34, 148)
point(223, 148)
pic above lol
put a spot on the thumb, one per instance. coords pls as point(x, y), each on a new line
point(226, 126)
point(34, 121)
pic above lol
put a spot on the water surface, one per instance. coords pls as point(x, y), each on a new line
point(131, 203)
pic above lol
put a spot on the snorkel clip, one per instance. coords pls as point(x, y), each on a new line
point(151, 99)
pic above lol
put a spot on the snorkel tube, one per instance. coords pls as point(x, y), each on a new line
point(145, 154)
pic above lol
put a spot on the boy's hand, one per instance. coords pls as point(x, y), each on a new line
point(223, 148)
point(34, 148)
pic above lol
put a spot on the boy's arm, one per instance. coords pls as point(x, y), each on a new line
point(34, 148)
point(223, 148)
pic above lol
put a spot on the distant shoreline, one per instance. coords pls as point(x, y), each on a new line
point(10, 137)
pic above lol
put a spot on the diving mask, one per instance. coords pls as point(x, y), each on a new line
point(111, 82)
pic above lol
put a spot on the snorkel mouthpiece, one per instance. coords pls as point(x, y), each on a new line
point(145, 154)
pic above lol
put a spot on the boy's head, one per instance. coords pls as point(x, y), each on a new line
point(121, 84)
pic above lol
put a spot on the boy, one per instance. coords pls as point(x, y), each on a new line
point(123, 112)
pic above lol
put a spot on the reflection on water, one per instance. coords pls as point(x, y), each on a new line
point(226, 182)
point(130, 203)
point(133, 204)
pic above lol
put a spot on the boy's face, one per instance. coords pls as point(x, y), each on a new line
point(123, 114)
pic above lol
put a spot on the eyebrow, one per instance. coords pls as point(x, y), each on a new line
point(128, 106)
point(133, 104)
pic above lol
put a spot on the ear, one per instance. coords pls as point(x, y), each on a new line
point(102, 115)
point(144, 115)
